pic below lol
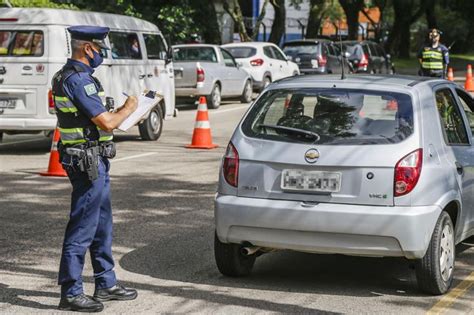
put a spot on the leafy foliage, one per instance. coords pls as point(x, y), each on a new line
point(178, 22)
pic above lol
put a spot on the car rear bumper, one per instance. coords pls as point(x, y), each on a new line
point(193, 92)
point(28, 124)
point(320, 70)
point(326, 228)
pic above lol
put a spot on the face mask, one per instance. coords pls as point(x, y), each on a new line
point(96, 60)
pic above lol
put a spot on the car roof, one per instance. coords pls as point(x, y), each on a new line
point(195, 45)
point(248, 44)
point(303, 41)
point(42, 16)
point(372, 81)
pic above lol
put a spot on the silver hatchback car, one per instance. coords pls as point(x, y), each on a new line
point(367, 166)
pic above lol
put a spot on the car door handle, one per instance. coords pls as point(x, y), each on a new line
point(149, 75)
point(459, 168)
point(142, 76)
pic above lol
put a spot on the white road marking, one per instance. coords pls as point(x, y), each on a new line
point(220, 111)
point(22, 141)
point(134, 156)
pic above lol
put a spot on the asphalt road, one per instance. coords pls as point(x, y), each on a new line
point(163, 211)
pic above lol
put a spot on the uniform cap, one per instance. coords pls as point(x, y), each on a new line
point(95, 34)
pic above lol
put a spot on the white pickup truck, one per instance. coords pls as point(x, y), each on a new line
point(211, 71)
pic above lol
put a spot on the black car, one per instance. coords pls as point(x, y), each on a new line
point(368, 57)
point(314, 56)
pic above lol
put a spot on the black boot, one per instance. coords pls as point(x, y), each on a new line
point(80, 303)
point(117, 292)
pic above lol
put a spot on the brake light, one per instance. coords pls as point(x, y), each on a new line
point(200, 74)
point(8, 19)
point(322, 60)
point(230, 165)
point(407, 172)
point(51, 108)
point(256, 62)
point(364, 61)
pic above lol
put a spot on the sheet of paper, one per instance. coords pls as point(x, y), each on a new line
point(145, 104)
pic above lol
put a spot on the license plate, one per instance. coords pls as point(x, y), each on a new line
point(9, 103)
point(300, 180)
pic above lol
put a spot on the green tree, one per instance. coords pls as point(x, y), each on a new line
point(352, 9)
point(177, 22)
point(39, 4)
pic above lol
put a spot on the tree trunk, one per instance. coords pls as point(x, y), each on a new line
point(278, 27)
point(430, 14)
point(351, 9)
point(316, 14)
point(236, 14)
point(404, 43)
point(207, 20)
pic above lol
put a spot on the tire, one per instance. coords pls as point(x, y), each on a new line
point(266, 82)
point(150, 129)
point(214, 99)
point(230, 261)
point(295, 74)
point(246, 96)
point(434, 272)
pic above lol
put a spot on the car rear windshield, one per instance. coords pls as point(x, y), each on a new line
point(198, 53)
point(242, 52)
point(294, 50)
point(21, 43)
point(333, 117)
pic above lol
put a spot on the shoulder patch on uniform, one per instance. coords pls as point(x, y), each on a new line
point(90, 89)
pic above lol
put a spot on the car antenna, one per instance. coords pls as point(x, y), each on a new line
point(343, 73)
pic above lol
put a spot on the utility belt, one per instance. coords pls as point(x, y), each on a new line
point(88, 154)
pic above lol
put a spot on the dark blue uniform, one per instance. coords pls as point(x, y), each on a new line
point(78, 99)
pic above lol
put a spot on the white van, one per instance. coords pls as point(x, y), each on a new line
point(35, 43)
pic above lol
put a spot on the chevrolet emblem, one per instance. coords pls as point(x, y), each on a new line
point(311, 156)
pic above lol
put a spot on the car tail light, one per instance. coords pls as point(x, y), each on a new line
point(8, 19)
point(200, 74)
point(364, 61)
point(230, 166)
point(322, 60)
point(407, 172)
point(256, 62)
point(51, 108)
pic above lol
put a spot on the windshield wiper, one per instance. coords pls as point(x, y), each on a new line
point(295, 130)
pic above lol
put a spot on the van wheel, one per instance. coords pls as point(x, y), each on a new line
point(150, 129)
point(246, 96)
point(230, 261)
point(214, 100)
point(266, 82)
point(434, 272)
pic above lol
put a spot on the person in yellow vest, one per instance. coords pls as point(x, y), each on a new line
point(434, 57)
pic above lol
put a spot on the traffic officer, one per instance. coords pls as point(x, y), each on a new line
point(86, 144)
point(434, 57)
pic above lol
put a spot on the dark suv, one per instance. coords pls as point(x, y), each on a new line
point(314, 56)
point(368, 57)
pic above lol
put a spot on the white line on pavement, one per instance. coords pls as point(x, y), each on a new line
point(133, 157)
point(220, 111)
point(22, 141)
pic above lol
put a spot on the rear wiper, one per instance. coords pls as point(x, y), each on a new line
point(290, 129)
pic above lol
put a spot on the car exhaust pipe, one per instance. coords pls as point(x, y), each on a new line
point(249, 251)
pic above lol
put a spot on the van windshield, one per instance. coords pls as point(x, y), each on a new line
point(196, 53)
point(336, 116)
point(21, 43)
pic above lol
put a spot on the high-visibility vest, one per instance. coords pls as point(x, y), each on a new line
point(3, 50)
point(432, 58)
point(74, 126)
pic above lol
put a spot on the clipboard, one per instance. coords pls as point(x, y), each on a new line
point(145, 103)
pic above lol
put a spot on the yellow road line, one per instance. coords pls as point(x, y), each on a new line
point(448, 299)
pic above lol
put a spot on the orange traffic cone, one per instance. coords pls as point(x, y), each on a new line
point(450, 74)
point(202, 138)
point(469, 85)
point(55, 168)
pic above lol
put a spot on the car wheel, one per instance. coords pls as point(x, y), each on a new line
point(295, 73)
point(214, 99)
point(434, 272)
point(266, 81)
point(246, 96)
point(373, 71)
point(230, 261)
point(150, 128)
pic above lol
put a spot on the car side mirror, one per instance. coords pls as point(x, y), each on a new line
point(169, 56)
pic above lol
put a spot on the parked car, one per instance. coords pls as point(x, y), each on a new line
point(366, 166)
point(209, 70)
point(368, 57)
point(34, 45)
point(315, 56)
point(265, 62)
